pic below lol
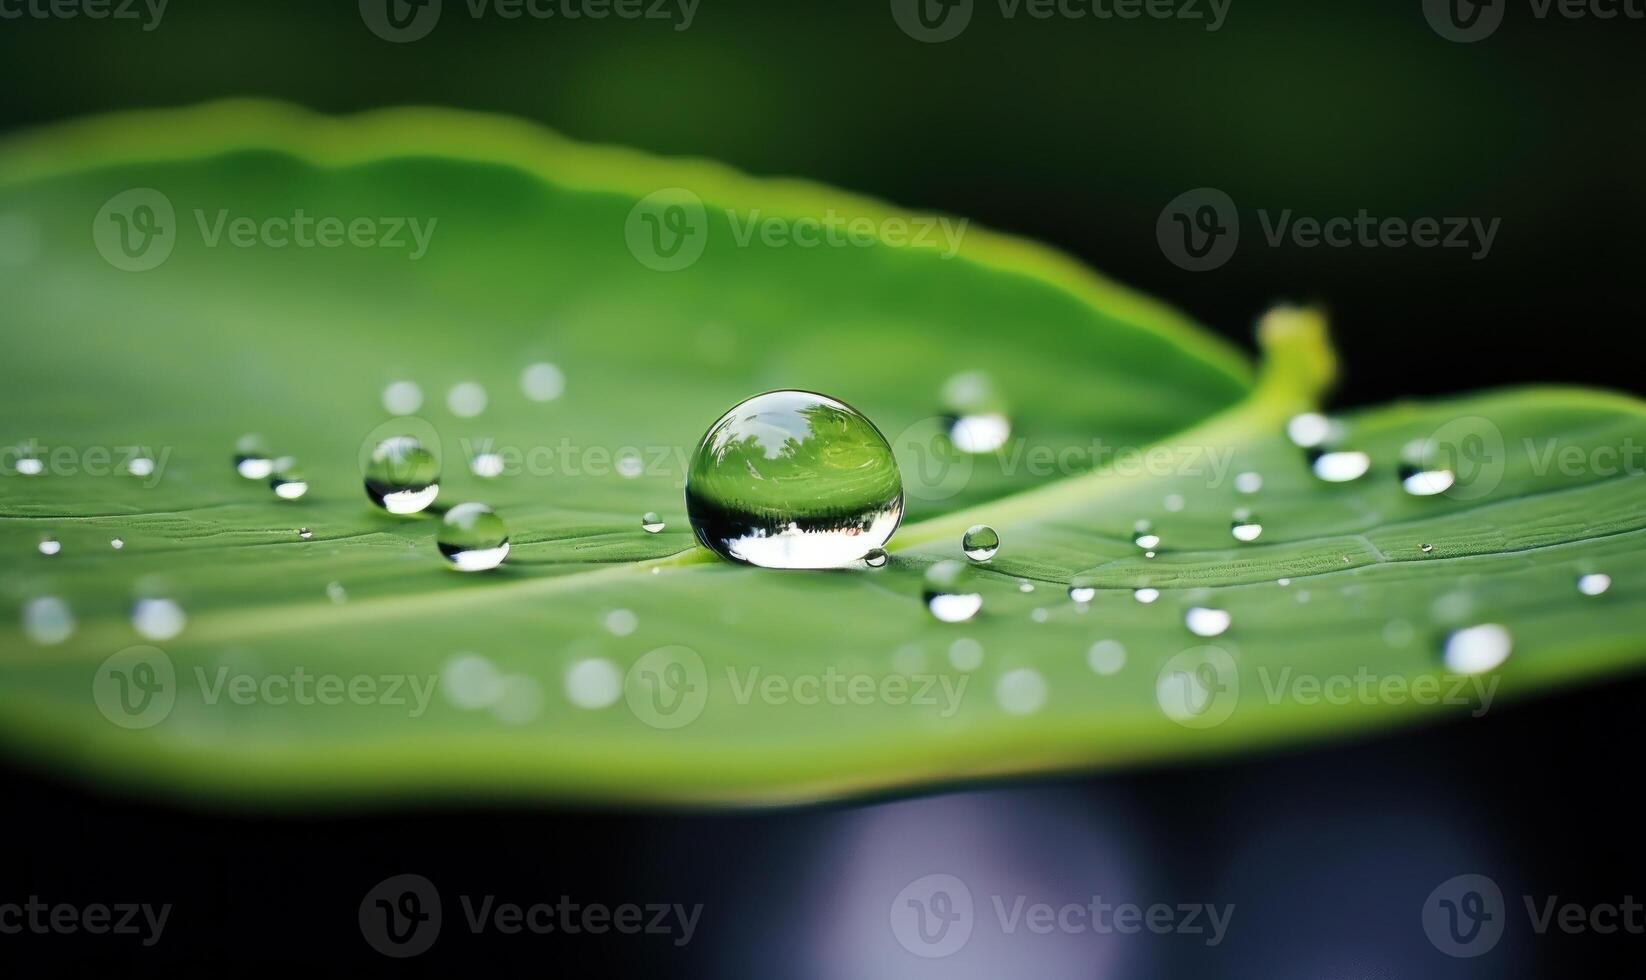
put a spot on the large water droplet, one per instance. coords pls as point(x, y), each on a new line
point(473, 538)
point(252, 458)
point(794, 479)
point(651, 523)
point(1594, 583)
point(1477, 649)
point(1341, 466)
point(1203, 621)
point(402, 477)
point(949, 593)
point(288, 482)
point(980, 542)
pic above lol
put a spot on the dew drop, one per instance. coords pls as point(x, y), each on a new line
point(1425, 483)
point(949, 593)
point(1283, 582)
point(542, 382)
point(980, 542)
point(304, 533)
point(977, 434)
point(1146, 596)
point(1341, 466)
point(117, 543)
point(1106, 657)
point(1309, 429)
point(1081, 590)
point(1245, 526)
point(402, 477)
point(472, 537)
point(1021, 691)
point(486, 465)
point(794, 479)
point(1248, 482)
point(1477, 649)
point(157, 619)
point(876, 558)
point(1024, 585)
point(466, 400)
point(978, 422)
point(1144, 536)
point(1203, 621)
point(252, 458)
point(30, 466)
point(1426, 548)
point(651, 523)
point(288, 481)
point(48, 620)
point(1594, 583)
point(140, 466)
point(402, 398)
point(50, 546)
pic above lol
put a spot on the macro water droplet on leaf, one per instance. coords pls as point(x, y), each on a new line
point(651, 523)
point(949, 593)
point(473, 538)
point(252, 458)
point(402, 476)
point(287, 481)
point(980, 542)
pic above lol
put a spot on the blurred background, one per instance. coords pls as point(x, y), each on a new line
point(1078, 133)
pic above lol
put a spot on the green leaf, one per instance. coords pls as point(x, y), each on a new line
point(798, 685)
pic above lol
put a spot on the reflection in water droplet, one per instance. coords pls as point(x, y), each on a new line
point(1425, 483)
point(47, 620)
point(140, 466)
point(1106, 657)
point(1341, 466)
point(157, 619)
point(621, 622)
point(794, 479)
point(486, 465)
point(593, 683)
point(466, 400)
point(1248, 482)
point(542, 382)
point(949, 594)
point(1595, 583)
point(1203, 621)
point(651, 523)
point(402, 477)
point(1477, 649)
point(287, 481)
point(252, 458)
point(1146, 596)
point(1245, 526)
point(966, 654)
point(980, 542)
point(1021, 691)
point(1309, 429)
point(50, 546)
point(402, 398)
point(876, 558)
point(473, 538)
point(471, 682)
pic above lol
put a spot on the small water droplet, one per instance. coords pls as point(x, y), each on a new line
point(1174, 502)
point(1248, 482)
point(1477, 649)
point(117, 543)
point(1283, 582)
point(542, 382)
point(50, 546)
point(486, 465)
point(252, 458)
point(473, 538)
point(157, 619)
point(977, 434)
point(651, 523)
point(1146, 596)
point(140, 466)
point(1425, 483)
point(1204, 621)
point(1021, 691)
point(466, 399)
point(978, 422)
point(1309, 429)
point(876, 558)
point(1594, 583)
point(1426, 548)
point(980, 542)
point(949, 594)
point(1149, 554)
point(1081, 590)
point(402, 398)
point(1245, 526)
point(1106, 657)
point(966, 654)
point(287, 481)
point(1341, 466)
point(48, 620)
point(621, 622)
point(304, 533)
point(794, 479)
point(402, 477)
point(1144, 536)
point(30, 466)
point(1024, 585)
